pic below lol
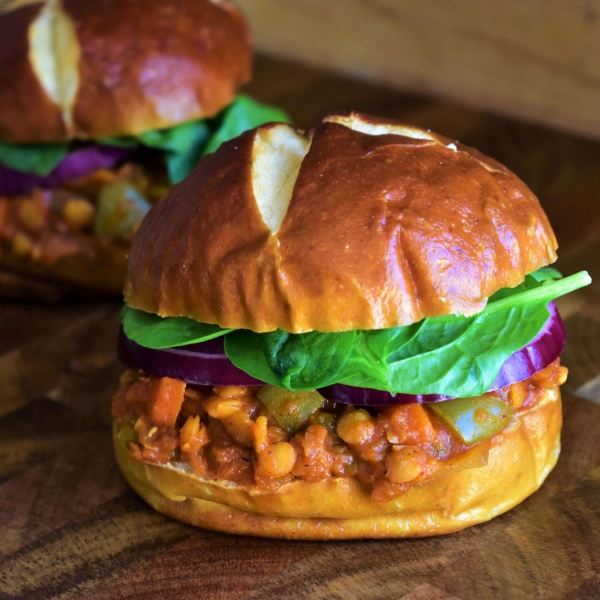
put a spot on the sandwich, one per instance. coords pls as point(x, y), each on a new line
point(103, 106)
point(346, 333)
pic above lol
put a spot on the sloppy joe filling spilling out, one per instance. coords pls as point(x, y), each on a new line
point(103, 208)
point(229, 434)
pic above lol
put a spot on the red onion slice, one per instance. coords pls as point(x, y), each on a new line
point(199, 364)
point(545, 348)
point(76, 164)
point(207, 364)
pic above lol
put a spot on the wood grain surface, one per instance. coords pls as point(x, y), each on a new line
point(70, 527)
point(534, 59)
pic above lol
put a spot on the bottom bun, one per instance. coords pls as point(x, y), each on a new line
point(520, 459)
point(103, 272)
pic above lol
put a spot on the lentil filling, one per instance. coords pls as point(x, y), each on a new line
point(227, 433)
point(48, 225)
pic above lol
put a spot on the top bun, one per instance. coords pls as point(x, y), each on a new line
point(83, 69)
point(367, 224)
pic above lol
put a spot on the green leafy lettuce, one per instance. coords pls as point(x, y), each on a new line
point(244, 114)
point(38, 159)
point(453, 355)
point(152, 331)
point(183, 145)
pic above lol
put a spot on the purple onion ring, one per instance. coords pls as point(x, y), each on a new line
point(545, 348)
point(76, 164)
point(207, 364)
point(199, 364)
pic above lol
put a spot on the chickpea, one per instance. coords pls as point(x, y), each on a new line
point(78, 213)
point(261, 434)
point(240, 427)
point(277, 460)
point(401, 465)
point(22, 244)
point(551, 376)
point(356, 427)
point(561, 376)
point(517, 394)
point(223, 408)
point(193, 435)
point(230, 391)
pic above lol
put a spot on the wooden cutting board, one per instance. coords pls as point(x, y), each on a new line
point(70, 527)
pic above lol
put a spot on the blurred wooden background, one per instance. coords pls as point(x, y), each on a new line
point(537, 60)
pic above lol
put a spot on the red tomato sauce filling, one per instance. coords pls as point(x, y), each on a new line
point(226, 433)
point(46, 226)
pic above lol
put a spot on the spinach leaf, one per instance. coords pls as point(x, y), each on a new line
point(466, 362)
point(38, 159)
point(244, 114)
point(532, 281)
point(292, 361)
point(454, 355)
point(152, 331)
point(183, 145)
point(546, 274)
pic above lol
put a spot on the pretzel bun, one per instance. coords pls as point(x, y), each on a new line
point(367, 224)
point(81, 69)
point(519, 461)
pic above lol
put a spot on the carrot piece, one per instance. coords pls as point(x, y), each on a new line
point(166, 398)
point(411, 425)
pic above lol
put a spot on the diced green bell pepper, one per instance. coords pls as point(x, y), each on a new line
point(328, 420)
point(120, 208)
point(127, 433)
point(290, 409)
point(474, 419)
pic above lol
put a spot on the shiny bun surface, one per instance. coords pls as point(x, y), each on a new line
point(79, 69)
point(366, 224)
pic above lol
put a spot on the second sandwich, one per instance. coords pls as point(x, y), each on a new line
point(103, 106)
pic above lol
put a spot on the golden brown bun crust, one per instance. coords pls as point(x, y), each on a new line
point(184, 60)
point(143, 65)
point(103, 270)
point(381, 231)
point(26, 112)
point(341, 508)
